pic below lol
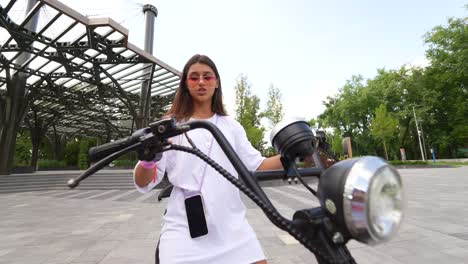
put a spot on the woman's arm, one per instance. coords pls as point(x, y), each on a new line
point(271, 163)
point(248, 154)
point(146, 175)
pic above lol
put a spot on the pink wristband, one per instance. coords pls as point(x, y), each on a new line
point(147, 164)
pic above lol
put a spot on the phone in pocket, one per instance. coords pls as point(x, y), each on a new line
point(196, 216)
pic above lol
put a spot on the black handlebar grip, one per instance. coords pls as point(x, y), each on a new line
point(99, 152)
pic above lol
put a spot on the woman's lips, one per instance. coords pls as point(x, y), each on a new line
point(201, 91)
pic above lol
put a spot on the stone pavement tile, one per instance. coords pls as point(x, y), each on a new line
point(441, 243)
point(288, 239)
point(419, 251)
point(81, 262)
point(67, 193)
point(355, 244)
point(264, 232)
point(126, 235)
point(29, 254)
point(131, 251)
point(63, 257)
point(153, 236)
point(5, 251)
point(461, 235)
point(71, 243)
point(2, 261)
point(417, 248)
point(93, 256)
point(106, 195)
point(130, 197)
point(283, 260)
point(273, 252)
point(457, 252)
point(127, 260)
point(86, 195)
point(59, 230)
point(13, 244)
point(153, 198)
point(104, 245)
point(430, 257)
point(98, 194)
point(462, 243)
point(82, 194)
point(445, 227)
point(405, 235)
point(308, 259)
point(369, 255)
point(393, 250)
point(38, 193)
point(121, 194)
point(271, 241)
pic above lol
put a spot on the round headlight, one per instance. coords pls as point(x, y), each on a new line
point(292, 138)
point(368, 196)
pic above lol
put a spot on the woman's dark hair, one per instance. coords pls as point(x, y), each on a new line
point(182, 106)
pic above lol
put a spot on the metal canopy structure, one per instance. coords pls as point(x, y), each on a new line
point(81, 70)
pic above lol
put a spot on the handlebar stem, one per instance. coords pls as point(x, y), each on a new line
point(239, 166)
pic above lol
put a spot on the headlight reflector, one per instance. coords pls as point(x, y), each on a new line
point(385, 203)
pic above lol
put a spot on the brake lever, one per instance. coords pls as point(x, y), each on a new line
point(74, 182)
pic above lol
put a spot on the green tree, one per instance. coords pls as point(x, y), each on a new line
point(274, 113)
point(71, 152)
point(23, 148)
point(400, 90)
point(83, 157)
point(243, 91)
point(350, 112)
point(438, 93)
point(247, 113)
point(448, 75)
point(383, 126)
point(314, 123)
point(336, 142)
point(83, 161)
point(274, 110)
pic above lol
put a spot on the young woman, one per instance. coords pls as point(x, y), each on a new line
point(229, 237)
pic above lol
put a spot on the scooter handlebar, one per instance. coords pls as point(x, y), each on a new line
point(99, 152)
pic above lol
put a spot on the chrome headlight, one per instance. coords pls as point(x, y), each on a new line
point(365, 197)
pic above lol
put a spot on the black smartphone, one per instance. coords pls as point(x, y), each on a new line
point(196, 216)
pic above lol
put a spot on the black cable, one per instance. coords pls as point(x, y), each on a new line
point(303, 182)
point(271, 213)
point(190, 141)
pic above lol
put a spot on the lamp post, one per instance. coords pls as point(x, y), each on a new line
point(423, 141)
point(419, 135)
point(151, 13)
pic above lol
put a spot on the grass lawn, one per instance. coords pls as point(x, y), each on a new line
point(429, 162)
point(448, 163)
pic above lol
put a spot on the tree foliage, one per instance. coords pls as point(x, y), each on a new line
point(336, 143)
point(448, 53)
point(83, 157)
point(247, 113)
point(274, 110)
point(383, 126)
point(71, 152)
point(23, 148)
point(438, 93)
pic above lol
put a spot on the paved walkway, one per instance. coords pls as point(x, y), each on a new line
point(122, 226)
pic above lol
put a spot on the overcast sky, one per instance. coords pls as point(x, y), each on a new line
point(306, 48)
